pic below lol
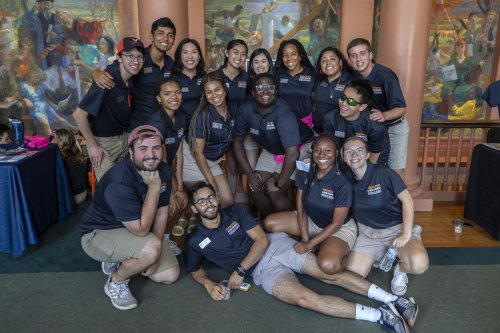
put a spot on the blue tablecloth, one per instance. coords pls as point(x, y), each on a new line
point(34, 193)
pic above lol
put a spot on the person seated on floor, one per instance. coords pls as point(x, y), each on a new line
point(5, 135)
point(171, 121)
point(124, 226)
point(75, 162)
point(322, 219)
point(283, 138)
point(383, 209)
point(233, 240)
point(353, 119)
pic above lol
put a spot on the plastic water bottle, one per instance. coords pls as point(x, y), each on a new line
point(387, 261)
point(17, 129)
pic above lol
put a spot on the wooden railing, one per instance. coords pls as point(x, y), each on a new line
point(444, 153)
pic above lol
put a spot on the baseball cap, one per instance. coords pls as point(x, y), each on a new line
point(142, 131)
point(129, 43)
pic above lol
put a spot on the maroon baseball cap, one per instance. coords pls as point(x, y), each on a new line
point(129, 43)
point(142, 131)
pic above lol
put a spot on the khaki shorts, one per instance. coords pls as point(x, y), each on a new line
point(347, 232)
point(280, 258)
point(117, 148)
point(375, 242)
point(266, 161)
point(117, 245)
point(191, 172)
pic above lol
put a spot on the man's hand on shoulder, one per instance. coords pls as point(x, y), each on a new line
point(151, 178)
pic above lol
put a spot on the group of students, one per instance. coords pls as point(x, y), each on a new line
point(330, 130)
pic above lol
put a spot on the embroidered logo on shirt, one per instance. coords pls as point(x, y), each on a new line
point(270, 125)
point(204, 243)
point(377, 90)
point(120, 99)
point(340, 134)
point(340, 87)
point(180, 132)
point(163, 187)
point(198, 82)
point(327, 193)
point(232, 123)
point(242, 84)
point(305, 78)
point(254, 131)
point(185, 89)
point(167, 74)
point(323, 84)
point(374, 189)
point(283, 80)
point(147, 70)
point(169, 141)
point(361, 135)
point(217, 125)
point(232, 227)
point(227, 84)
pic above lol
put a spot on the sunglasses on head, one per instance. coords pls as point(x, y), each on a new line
point(350, 101)
point(261, 87)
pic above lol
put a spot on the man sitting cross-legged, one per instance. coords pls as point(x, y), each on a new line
point(233, 240)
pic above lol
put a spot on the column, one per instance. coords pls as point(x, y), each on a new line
point(128, 18)
point(356, 21)
point(403, 46)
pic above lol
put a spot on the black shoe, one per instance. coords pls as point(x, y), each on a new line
point(391, 319)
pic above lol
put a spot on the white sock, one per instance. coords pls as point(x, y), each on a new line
point(367, 313)
point(379, 294)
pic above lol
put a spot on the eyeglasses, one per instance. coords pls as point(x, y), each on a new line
point(350, 101)
point(350, 152)
point(203, 201)
point(261, 87)
point(131, 58)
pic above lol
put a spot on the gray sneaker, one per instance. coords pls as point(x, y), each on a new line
point(109, 268)
point(391, 319)
point(176, 250)
point(407, 309)
point(120, 294)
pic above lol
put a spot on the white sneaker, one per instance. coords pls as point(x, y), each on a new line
point(172, 245)
point(399, 282)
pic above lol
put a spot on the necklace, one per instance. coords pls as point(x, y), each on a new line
point(336, 85)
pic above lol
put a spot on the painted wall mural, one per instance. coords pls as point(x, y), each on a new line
point(462, 39)
point(48, 50)
point(315, 23)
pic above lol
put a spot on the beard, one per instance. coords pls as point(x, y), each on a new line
point(141, 164)
point(210, 215)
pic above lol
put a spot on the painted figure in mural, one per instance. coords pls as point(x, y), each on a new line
point(124, 226)
point(11, 101)
point(104, 114)
point(231, 19)
point(284, 27)
point(234, 241)
point(388, 104)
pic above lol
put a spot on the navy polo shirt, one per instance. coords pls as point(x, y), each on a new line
point(297, 91)
point(327, 95)
point(325, 194)
point(109, 109)
point(119, 197)
point(172, 132)
point(492, 94)
point(376, 202)
point(191, 92)
point(227, 245)
point(276, 130)
point(145, 84)
point(387, 93)
point(237, 88)
point(374, 131)
point(217, 132)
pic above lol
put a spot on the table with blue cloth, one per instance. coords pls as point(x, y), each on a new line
point(34, 193)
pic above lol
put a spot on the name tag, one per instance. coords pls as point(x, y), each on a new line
point(242, 84)
point(169, 141)
point(120, 99)
point(147, 70)
point(283, 80)
point(327, 193)
point(217, 125)
point(340, 134)
point(185, 89)
point(305, 78)
point(254, 131)
point(204, 243)
point(374, 189)
point(270, 125)
point(163, 187)
point(231, 229)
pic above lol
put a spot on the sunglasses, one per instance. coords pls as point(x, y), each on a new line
point(350, 101)
point(203, 201)
point(261, 87)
